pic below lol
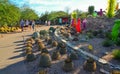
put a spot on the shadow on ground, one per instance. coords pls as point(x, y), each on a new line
point(16, 68)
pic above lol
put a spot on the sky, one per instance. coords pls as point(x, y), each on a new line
point(41, 6)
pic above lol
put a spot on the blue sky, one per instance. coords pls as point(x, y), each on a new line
point(40, 6)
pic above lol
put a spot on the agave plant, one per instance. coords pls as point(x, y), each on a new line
point(30, 57)
point(56, 55)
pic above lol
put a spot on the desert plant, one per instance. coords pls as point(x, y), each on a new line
point(45, 60)
point(43, 71)
point(36, 35)
point(108, 35)
point(91, 9)
point(30, 40)
point(95, 33)
point(49, 41)
point(68, 65)
point(56, 55)
point(60, 44)
point(115, 72)
point(28, 49)
point(90, 65)
point(63, 50)
point(73, 56)
point(41, 46)
point(54, 44)
point(111, 8)
point(29, 45)
point(47, 38)
point(52, 29)
point(107, 43)
point(30, 57)
point(43, 32)
point(44, 50)
point(37, 41)
point(116, 54)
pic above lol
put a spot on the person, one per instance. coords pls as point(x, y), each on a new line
point(22, 24)
point(30, 23)
point(46, 22)
point(33, 25)
point(84, 23)
point(26, 23)
point(49, 23)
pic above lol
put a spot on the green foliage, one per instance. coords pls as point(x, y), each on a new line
point(43, 32)
point(28, 13)
point(44, 50)
point(91, 9)
point(36, 35)
point(111, 8)
point(116, 54)
point(115, 30)
point(52, 29)
point(9, 14)
point(108, 35)
point(45, 60)
point(107, 43)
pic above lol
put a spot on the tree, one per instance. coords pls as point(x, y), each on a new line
point(10, 14)
point(111, 8)
point(28, 13)
point(91, 9)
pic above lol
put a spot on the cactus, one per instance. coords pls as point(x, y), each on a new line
point(68, 65)
point(28, 49)
point(30, 40)
point(41, 46)
point(30, 57)
point(45, 60)
point(43, 71)
point(90, 65)
point(63, 50)
point(73, 56)
point(36, 35)
point(54, 44)
point(44, 50)
point(49, 41)
point(56, 55)
point(29, 45)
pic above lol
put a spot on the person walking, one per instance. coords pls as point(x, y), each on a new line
point(33, 25)
point(22, 24)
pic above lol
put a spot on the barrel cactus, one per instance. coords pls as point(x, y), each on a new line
point(90, 65)
point(54, 44)
point(44, 50)
point(36, 35)
point(28, 49)
point(49, 41)
point(41, 46)
point(45, 60)
point(30, 40)
point(68, 65)
point(30, 57)
point(56, 55)
point(29, 45)
point(73, 56)
point(37, 41)
point(61, 45)
point(63, 50)
point(43, 71)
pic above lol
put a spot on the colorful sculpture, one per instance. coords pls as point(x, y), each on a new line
point(115, 30)
point(76, 23)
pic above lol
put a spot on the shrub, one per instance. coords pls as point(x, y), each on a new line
point(49, 41)
point(108, 35)
point(43, 32)
point(45, 60)
point(91, 9)
point(116, 54)
point(95, 33)
point(63, 50)
point(52, 29)
point(41, 46)
point(28, 49)
point(107, 43)
point(36, 35)
point(43, 71)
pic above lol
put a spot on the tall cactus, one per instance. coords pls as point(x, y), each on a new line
point(111, 8)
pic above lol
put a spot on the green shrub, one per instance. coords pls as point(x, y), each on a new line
point(35, 35)
point(116, 54)
point(107, 43)
point(63, 50)
point(52, 29)
point(44, 50)
point(91, 9)
point(43, 32)
point(108, 35)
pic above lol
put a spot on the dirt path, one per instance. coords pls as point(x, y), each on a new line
point(11, 59)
